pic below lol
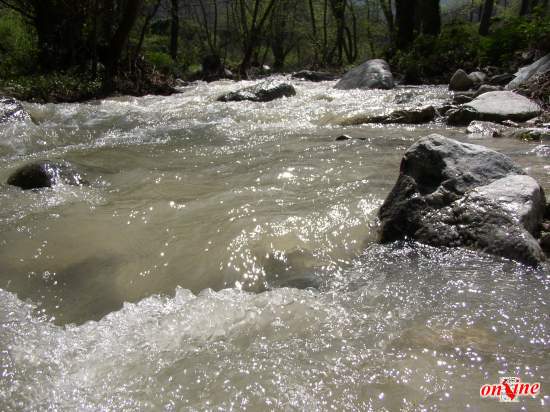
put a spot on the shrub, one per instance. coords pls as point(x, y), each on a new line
point(18, 53)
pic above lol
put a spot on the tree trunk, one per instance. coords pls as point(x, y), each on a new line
point(404, 18)
point(431, 17)
point(174, 29)
point(119, 41)
point(486, 15)
point(524, 7)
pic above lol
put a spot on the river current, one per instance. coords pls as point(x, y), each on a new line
point(224, 257)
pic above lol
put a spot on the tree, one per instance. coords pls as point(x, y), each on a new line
point(174, 28)
point(430, 16)
point(405, 20)
point(486, 15)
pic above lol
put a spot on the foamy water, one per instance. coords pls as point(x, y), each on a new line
point(224, 258)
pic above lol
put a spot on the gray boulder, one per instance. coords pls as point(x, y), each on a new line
point(45, 174)
point(372, 74)
point(262, 92)
point(525, 73)
point(11, 109)
point(462, 195)
point(495, 107)
point(460, 81)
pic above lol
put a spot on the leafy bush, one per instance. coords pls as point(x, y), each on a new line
point(18, 53)
point(513, 34)
point(430, 56)
point(54, 87)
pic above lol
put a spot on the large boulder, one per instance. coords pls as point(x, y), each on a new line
point(372, 74)
point(11, 109)
point(460, 81)
point(525, 73)
point(262, 92)
point(495, 107)
point(462, 195)
point(45, 174)
point(313, 76)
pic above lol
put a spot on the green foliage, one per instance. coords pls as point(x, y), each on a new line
point(161, 61)
point(430, 56)
point(54, 87)
point(17, 46)
point(513, 34)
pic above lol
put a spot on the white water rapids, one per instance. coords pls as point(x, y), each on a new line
point(224, 257)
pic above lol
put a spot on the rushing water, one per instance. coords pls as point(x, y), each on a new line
point(223, 257)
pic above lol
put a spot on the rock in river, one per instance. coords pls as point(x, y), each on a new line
point(262, 92)
point(460, 81)
point(525, 73)
point(11, 109)
point(495, 107)
point(411, 116)
point(462, 195)
point(45, 174)
point(372, 74)
point(314, 76)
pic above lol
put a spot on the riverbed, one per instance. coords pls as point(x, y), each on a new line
point(224, 257)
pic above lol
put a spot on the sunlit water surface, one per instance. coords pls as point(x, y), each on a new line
point(224, 257)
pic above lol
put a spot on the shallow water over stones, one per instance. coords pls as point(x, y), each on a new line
point(107, 297)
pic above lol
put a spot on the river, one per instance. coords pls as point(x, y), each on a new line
point(224, 257)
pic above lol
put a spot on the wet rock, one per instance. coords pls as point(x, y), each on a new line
point(462, 98)
point(313, 76)
point(525, 73)
point(411, 116)
point(443, 110)
point(542, 150)
point(262, 92)
point(372, 74)
point(486, 129)
point(530, 134)
point(462, 195)
point(343, 138)
point(478, 77)
point(486, 88)
point(509, 123)
point(460, 81)
point(461, 116)
point(501, 79)
point(12, 110)
point(45, 174)
point(495, 107)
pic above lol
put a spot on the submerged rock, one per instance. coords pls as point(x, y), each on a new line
point(487, 129)
point(372, 74)
point(495, 107)
point(412, 116)
point(530, 134)
point(525, 73)
point(313, 76)
point(460, 81)
point(262, 92)
point(45, 174)
point(11, 109)
point(462, 195)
